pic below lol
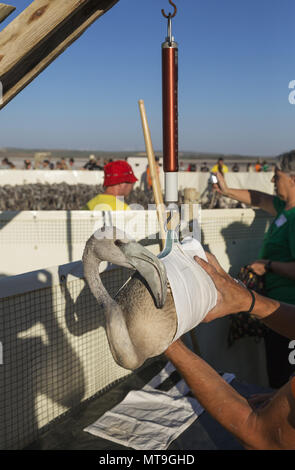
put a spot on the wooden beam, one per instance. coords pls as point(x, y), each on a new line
point(5, 11)
point(39, 35)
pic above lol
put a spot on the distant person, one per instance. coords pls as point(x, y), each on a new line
point(71, 163)
point(143, 185)
point(64, 165)
point(257, 166)
point(118, 183)
point(28, 165)
point(192, 167)
point(46, 164)
point(249, 168)
point(7, 164)
point(205, 168)
point(91, 164)
point(220, 167)
point(235, 168)
point(58, 165)
point(265, 166)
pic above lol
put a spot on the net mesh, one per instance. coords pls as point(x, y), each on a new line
point(55, 354)
point(54, 351)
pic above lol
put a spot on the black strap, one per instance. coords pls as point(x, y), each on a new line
point(253, 302)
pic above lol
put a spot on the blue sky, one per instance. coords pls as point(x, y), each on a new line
point(236, 59)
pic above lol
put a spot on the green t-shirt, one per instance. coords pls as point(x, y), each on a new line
point(279, 245)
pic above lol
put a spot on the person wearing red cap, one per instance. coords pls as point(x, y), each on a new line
point(118, 183)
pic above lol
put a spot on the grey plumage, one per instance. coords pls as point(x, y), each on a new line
point(136, 328)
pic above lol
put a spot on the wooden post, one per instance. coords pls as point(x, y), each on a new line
point(154, 173)
point(5, 11)
point(39, 35)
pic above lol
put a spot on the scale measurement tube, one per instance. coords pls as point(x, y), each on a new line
point(170, 118)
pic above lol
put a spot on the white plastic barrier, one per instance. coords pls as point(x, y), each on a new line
point(197, 180)
point(30, 240)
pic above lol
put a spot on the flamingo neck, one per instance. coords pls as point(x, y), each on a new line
point(117, 332)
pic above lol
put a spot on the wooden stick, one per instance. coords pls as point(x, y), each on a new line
point(5, 11)
point(153, 171)
point(39, 35)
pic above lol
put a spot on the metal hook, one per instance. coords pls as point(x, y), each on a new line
point(170, 15)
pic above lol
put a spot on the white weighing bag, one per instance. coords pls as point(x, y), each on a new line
point(193, 290)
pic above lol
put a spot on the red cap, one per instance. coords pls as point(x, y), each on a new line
point(118, 172)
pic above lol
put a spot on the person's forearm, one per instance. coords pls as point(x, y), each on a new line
point(271, 427)
point(282, 320)
point(276, 315)
point(241, 195)
point(224, 404)
point(252, 198)
point(285, 269)
point(264, 306)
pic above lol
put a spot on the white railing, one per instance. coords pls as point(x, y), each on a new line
point(197, 180)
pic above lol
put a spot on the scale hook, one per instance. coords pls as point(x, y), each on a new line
point(170, 15)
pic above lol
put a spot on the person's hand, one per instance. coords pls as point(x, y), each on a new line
point(221, 186)
point(258, 267)
point(231, 296)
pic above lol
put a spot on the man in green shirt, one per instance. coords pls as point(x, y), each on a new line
point(277, 255)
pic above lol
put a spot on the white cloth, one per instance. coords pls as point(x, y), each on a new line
point(150, 419)
point(193, 291)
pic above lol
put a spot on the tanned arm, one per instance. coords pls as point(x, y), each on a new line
point(282, 268)
point(247, 196)
point(271, 428)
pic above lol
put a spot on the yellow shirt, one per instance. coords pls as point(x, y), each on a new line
point(106, 202)
point(214, 169)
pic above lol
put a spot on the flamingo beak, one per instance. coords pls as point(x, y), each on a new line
point(149, 267)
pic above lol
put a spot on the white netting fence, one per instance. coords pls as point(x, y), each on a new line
point(54, 350)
